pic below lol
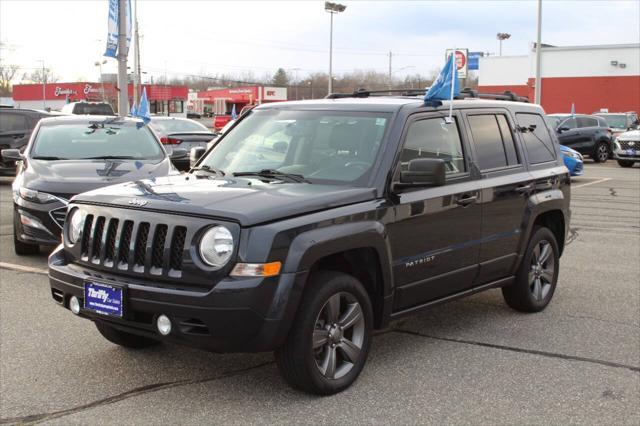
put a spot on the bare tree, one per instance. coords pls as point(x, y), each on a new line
point(7, 73)
point(38, 76)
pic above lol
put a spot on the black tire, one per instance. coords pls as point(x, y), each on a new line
point(127, 340)
point(625, 163)
point(525, 294)
point(298, 359)
point(23, 249)
point(601, 152)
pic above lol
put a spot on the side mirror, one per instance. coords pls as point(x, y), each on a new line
point(562, 129)
point(424, 172)
point(195, 154)
point(177, 153)
point(12, 154)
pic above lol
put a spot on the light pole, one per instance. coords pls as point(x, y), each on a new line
point(332, 9)
point(295, 76)
point(502, 36)
point(44, 86)
point(538, 88)
point(99, 64)
point(310, 83)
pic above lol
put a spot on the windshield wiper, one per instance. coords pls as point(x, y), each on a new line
point(109, 157)
point(209, 169)
point(274, 174)
point(48, 157)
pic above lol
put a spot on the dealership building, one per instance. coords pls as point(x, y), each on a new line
point(163, 99)
point(593, 78)
point(220, 101)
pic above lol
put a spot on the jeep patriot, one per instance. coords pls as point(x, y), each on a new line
point(311, 224)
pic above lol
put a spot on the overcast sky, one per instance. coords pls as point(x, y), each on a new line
point(208, 37)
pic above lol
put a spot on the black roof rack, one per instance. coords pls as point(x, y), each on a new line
point(465, 93)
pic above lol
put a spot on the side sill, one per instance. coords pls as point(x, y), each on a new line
point(410, 311)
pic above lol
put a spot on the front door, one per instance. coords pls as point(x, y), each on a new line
point(435, 238)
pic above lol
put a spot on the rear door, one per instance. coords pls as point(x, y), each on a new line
point(589, 134)
point(15, 130)
point(506, 186)
point(435, 238)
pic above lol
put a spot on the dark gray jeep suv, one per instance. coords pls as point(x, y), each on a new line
point(311, 224)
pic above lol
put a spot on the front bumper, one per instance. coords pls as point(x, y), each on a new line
point(627, 154)
point(40, 225)
point(235, 315)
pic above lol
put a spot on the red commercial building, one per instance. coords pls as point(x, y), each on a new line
point(163, 99)
point(592, 78)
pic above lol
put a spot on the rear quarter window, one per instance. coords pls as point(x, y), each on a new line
point(536, 137)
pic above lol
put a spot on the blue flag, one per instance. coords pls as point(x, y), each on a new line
point(573, 110)
point(112, 28)
point(143, 111)
point(441, 88)
point(234, 115)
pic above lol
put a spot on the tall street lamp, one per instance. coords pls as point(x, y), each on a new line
point(295, 70)
point(332, 9)
point(502, 36)
point(99, 64)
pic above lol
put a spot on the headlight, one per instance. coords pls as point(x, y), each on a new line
point(76, 222)
point(36, 196)
point(216, 246)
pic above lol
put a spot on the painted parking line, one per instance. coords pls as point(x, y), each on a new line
point(22, 268)
point(591, 183)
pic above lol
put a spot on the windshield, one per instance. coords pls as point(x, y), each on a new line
point(616, 121)
point(94, 140)
point(176, 126)
point(93, 109)
point(321, 146)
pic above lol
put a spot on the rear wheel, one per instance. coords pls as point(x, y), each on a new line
point(329, 341)
point(537, 276)
point(122, 338)
point(625, 163)
point(601, 153)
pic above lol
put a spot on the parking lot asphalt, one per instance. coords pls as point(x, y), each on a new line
point(468, 362)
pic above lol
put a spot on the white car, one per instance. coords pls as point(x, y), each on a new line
point(626, 148)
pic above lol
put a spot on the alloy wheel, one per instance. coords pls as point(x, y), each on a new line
point(338, 335)
point(542, 270)
point(603, 152)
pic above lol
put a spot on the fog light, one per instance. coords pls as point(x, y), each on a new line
point(164, 325)
point(74, 305)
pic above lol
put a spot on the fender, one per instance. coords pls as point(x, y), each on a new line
point(308, 247)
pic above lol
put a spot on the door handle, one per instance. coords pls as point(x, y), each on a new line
point(465, 201)
point(525, 188)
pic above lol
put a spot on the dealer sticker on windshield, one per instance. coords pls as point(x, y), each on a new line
point(103, 299)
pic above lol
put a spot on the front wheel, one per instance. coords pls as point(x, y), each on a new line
point(625, 163)
point(601, 153)
point(537, 276)
point(329, 341)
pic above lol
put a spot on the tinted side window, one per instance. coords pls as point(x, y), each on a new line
point(433, 138)
point(537, 140)
point(10, 122)
point(488, 141)
point(587, 122)
point(507, 139)
point(570, 123)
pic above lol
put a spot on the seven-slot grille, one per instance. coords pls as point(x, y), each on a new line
point(628, 145)
point(126, 245)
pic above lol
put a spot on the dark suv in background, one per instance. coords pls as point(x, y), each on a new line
point(311, 224)
point(16, 125)
point(588, 134)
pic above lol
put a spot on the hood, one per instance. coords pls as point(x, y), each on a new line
point(633, 135)
point(71, 177)
point(247, 201)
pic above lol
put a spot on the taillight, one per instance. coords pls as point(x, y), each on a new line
point(170, 141)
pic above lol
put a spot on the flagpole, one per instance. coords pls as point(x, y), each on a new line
point(453, 84)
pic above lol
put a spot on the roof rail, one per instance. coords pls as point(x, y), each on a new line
point(466, 93)
point(507, 95)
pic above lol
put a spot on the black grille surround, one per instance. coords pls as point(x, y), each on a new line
point(146, 245)
point(59, 215)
